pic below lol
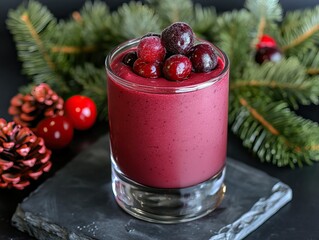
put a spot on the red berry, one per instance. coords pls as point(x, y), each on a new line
point(266, 41)
point(267, 54)
point(203, 58)
point(150, 49)
point(56, 131)
point(178, 38)
point(129, 58)
point(146, 69)
point(177, 67)
point(81, 111)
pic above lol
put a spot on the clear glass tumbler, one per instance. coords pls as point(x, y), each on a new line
point(168, 141)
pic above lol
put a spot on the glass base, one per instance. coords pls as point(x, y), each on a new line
point(165, 205)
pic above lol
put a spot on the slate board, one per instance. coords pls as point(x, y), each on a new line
point(77, 203)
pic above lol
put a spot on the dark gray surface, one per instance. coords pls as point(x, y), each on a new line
point(78, 203)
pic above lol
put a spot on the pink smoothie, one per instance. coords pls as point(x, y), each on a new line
point(165, 138)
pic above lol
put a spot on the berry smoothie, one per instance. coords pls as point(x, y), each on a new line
point(168, 109)
point(168, 134)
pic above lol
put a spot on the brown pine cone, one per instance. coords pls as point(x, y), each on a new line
point(28, 110)
point(23, 155)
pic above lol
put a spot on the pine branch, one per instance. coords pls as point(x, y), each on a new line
point(300, 30)
point(270, 10)
point(173, 11)
point(285, 80)
point(31, 26)
point(133, 20)
point(265, 13)
point(85, 32)
point(82, 38)
point(203, 22)
point(311, 60)
point(233, 32)
point(272, 131)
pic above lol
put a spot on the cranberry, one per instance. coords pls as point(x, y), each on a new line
point(203, 58)
point(56, 131)
point(178, 38)
point(266, 41)
point(81, 110)
point(267, 54)
point(177, 67)
point(150, 49)
point(146, 69)
point(129, 58)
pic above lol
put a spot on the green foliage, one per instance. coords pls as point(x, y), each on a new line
point(234, 30)
point(286, 80)
point(69, 55)
point(133, 20)
point(32, 26)
point(93, 80)
point(311, 60)
point(300, 31)
point(295, 138)
point(203, 22)
point(173, 11)
point(270, 9)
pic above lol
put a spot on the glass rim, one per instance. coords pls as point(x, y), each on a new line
point(162, 89)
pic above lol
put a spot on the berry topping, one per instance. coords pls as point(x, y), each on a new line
point(266, 41)
point(178, 38)
point(129, 58)
point(150, 49)
point(267, 54)
point(146, 69)
point(203, 58)
point(177, 67)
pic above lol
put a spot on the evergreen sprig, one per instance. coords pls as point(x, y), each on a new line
point(300, 31)
point(69, 55)
point(286, 80)
point(273, 131)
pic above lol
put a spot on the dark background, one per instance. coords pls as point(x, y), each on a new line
point(298, 220)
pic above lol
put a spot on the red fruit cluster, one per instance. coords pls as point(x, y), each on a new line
point(57, 131)
point(171, 54)
point(25, 152)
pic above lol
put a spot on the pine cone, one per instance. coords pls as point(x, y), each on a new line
point(23, 155)
point(28, 110)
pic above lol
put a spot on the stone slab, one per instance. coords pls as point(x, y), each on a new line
point(77, 203)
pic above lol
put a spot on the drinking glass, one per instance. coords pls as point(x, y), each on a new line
point(168, 143)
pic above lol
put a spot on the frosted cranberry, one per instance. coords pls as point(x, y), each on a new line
point(203, 58)
point(177, 67)
point(150, 49)
point(129, 58)
point(267, 54)
point(146, 69)
point(178, 38)
point(266, 41)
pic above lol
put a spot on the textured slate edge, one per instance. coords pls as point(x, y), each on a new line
point(27, 222)
point(262, 210)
